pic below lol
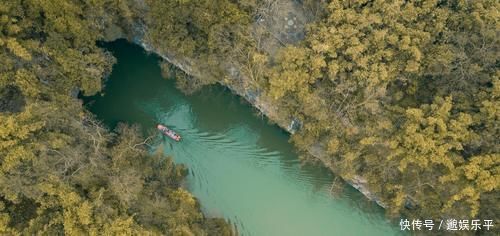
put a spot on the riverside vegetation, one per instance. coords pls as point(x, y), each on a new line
point(404, 94)
point(61, 171)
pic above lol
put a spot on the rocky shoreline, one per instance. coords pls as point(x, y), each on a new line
point(137, 34)
point(265, 107)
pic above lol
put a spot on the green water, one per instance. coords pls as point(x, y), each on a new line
point(241, 168)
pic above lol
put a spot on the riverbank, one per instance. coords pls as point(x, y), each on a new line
point(263, 104)
point(285, 25)
point(241, 168)
point(265, 107)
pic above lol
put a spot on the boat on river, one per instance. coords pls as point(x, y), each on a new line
point(168, 132)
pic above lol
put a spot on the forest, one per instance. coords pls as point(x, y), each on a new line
point(403, 94)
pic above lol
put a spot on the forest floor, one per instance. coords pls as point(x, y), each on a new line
point(279, 23)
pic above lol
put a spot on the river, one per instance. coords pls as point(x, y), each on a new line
point(241, 167)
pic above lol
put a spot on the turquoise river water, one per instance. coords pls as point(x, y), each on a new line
point(241, 167)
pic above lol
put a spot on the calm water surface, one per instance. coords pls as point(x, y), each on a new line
point(241, 168)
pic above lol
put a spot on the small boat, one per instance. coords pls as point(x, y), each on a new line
point(168, 132)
